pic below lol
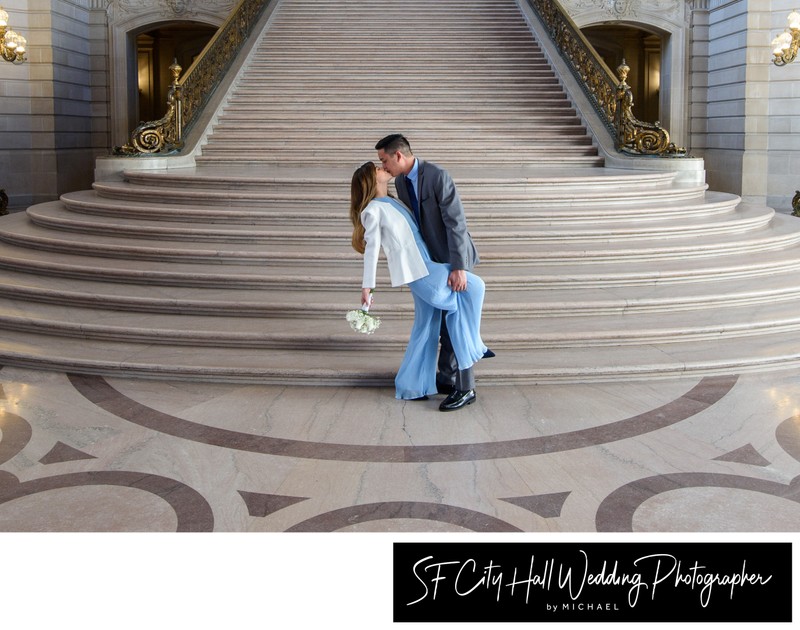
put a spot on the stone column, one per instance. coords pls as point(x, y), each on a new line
point(755, 161)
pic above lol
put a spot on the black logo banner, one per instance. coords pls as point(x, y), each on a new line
point(592, 582)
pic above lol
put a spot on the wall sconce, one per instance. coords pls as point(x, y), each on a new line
point(785, 45)
point(12, 44)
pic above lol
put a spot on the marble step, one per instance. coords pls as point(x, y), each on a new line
point(489, 229)
point(321, 7)
point(304, 329)
point(212, 156)
point(432, 121)
point(466, 105)
point(543, 143)
point(341, 268)
point(432, 132)
point(362, 7)
point(455, 107)
point(453, 64)
point(460, 108)
point(413, 25)
point(534, 186)
point(306, 118)
point(753, 235)
point(522, 302)
point(300, 152)
point(377, 368)
point(340, 91)
point(286, 135)
point(412, 11)
point(304, 322)
point(330, 212)
point(451, 159)
point(319, 72)
point(491, 43)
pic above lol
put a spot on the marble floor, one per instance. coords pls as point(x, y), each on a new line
point(715, 456)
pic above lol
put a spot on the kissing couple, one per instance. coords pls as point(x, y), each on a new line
point(424, 236)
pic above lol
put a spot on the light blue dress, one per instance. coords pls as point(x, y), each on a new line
point(417, 374)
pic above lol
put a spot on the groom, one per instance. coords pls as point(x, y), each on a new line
point(431, 194)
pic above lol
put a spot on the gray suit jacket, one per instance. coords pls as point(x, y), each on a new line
point(443, 224)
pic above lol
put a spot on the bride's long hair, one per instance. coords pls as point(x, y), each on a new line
point(363, 189)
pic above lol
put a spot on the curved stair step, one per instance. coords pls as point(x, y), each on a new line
point(487, 228)
point(343, 270)
point(331, 212)
point(504, 248)
point(329, 331)
point(243, 365)
point(521, 302)
point(527, 183)
point(336, 197)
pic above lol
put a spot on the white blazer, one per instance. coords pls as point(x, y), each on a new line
point(385, 226)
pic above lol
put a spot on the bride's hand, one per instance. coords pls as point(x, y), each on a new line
point(366, 297)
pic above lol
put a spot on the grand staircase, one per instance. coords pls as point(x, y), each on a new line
point(240, 269)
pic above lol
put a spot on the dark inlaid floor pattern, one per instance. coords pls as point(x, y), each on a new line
point(592, 458)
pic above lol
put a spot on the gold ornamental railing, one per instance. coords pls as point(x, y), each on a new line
point(611, 98)
point(188, 94)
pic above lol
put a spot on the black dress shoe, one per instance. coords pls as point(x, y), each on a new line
point(458, 399)
point(489, 354)
point(420, 398)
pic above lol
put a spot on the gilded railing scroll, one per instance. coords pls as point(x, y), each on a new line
point(189, 94)
point(633, 135)
point(612, 99)
point(164, 135)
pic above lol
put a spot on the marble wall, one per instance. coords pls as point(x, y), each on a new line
point(48, 105)
point(744, 117)
point(57, 108)
point(718, 82)
point(783, 123)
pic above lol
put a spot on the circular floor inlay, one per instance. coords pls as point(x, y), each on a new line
point(696, 498)
point(707, 392)
point(88, 509)
point(191, 512)
point(15, 433)
point(712, 509)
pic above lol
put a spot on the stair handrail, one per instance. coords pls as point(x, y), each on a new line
point(188, 94)
point(611, 98)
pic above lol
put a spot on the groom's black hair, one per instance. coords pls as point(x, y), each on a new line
point(394, 142)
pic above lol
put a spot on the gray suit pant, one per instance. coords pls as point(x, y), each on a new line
point(449, 374)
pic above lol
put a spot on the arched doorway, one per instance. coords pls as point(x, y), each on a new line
point(642, 51)
point(156, 49)
point(664, 70)
point(125, 27)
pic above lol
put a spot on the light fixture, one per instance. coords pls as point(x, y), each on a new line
point(12, 44)
point(785, 45)
point(784, 49)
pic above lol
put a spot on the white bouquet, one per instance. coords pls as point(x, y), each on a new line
point(361, 321)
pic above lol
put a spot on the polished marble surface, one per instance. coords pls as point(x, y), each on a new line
point(715, 456)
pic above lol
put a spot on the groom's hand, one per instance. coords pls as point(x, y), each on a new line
point(457, 280)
